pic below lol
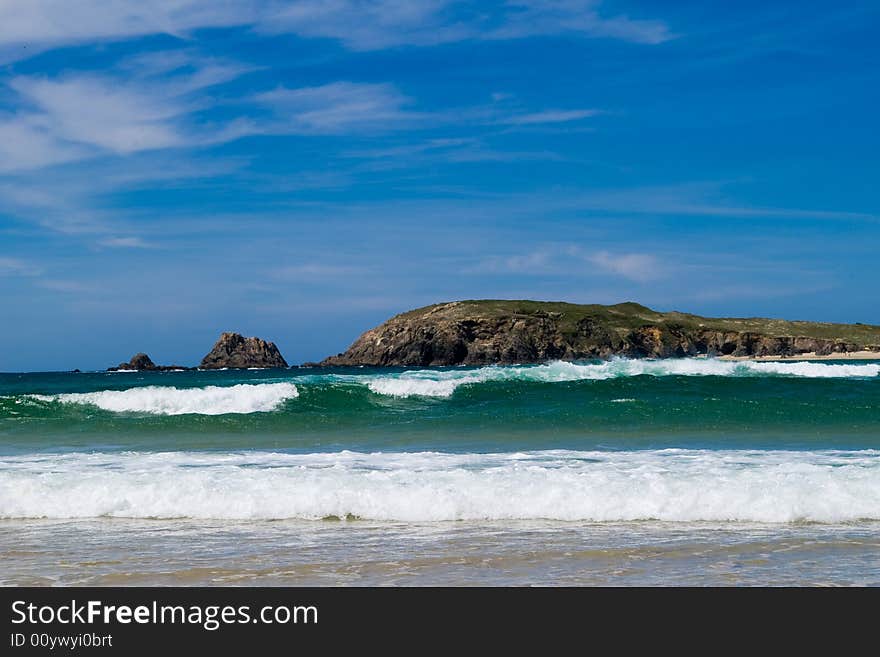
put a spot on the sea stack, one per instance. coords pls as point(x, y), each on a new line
point(139, 361)
point(233, 350)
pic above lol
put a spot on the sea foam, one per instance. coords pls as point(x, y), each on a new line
point(168, 400)
point(598, 486)
point(443, 383)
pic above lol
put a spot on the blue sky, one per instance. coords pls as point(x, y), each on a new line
point(302, 170)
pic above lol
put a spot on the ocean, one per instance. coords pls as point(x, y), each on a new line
point(625, 472)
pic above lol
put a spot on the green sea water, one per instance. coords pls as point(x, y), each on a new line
point(482, 410)
point(558, 473)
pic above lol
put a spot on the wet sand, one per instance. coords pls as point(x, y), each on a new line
point(118, 552)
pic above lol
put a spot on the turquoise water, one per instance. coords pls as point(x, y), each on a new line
point(612, 463)
point(510, 409)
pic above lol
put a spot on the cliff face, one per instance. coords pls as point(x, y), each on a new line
point(233, 350)
point(506, 332)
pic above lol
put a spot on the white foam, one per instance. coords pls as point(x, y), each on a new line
point(411, 387)
point(443, 383)
point(664, 485)
point(168, 400)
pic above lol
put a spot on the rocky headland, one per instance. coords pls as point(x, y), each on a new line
point(507, 332)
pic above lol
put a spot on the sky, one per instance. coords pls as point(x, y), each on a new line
point(301, 171)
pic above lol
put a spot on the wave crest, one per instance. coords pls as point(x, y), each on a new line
point(169, 400)
point(443, 383)
point(667, 485)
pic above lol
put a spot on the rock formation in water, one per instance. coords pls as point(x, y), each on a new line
point(142, 362)
point(139, 361)
point(235, 351)
point(507, 332)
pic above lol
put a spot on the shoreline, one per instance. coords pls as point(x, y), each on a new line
point(852, 355)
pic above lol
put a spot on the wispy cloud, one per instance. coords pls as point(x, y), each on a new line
point(639, 267)
point(67, 286)
point(41, 24)
point(371, 25)
point(526, 18)
point(95, 111)
point(184, 70)
point(707, 199)
point(87, 115)
point(316, 271)
point(122, 111)
point(125, 243)
point(390, 23)
point(532, 263)
point(358, 24)
point(26, 143)
point(336, 108)
point(409, 150)
point(551, 116)
point(573, 260)
point(594, 207)
point(442, 150)
point(77, 199)
point(17, 267)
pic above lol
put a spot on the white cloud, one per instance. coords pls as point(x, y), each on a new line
point(551, 116)
point(536, 262)
point(74, 117)
point(572, 259)
point(26, 142)
point(316, 271)
point(449, 150)
point(546, 17)
point(410, 150)
point(336, 108)
point(125, 243)
point(370, 25)
point(28, 27)
point(97, 111)
point(144, 104)
point(150, 102)
point(67, 286)
point(388, 23)
point(638, 267)
point(17, 267)
point(39, 23)
point(182, 71)
point(78, 199)
point(691, 199)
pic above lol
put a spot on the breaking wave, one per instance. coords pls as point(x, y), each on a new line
point(168, 400)
point(442, 383)
point(667, 485)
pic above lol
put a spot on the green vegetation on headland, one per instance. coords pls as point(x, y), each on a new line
point(502, 331)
